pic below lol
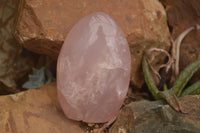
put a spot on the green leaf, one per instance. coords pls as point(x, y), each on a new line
point(185, 76)
point(194, 89)
point(149, 81)
point(170, 97)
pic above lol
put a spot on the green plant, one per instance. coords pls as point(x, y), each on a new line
point(179, 80)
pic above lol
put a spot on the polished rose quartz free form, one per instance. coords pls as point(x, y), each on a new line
point(93, 70)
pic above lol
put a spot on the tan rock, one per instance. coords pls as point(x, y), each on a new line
point(35, 111)
point(43, 25)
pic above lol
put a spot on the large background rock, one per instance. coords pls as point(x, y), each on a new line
point(43, 25)
point(15, 62)
point(183, 14)
point(35, 111)
point(159, 117)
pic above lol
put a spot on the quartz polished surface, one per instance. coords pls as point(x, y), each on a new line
point(93, 69)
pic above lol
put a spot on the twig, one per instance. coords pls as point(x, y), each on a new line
point(108, 123)
point(167, 65)
point(177, 102)
point(177, 45)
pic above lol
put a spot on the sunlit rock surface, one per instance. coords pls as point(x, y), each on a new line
point(35, 111)
point(93, 69)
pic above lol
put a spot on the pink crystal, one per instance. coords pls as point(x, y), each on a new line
point(93, 70)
